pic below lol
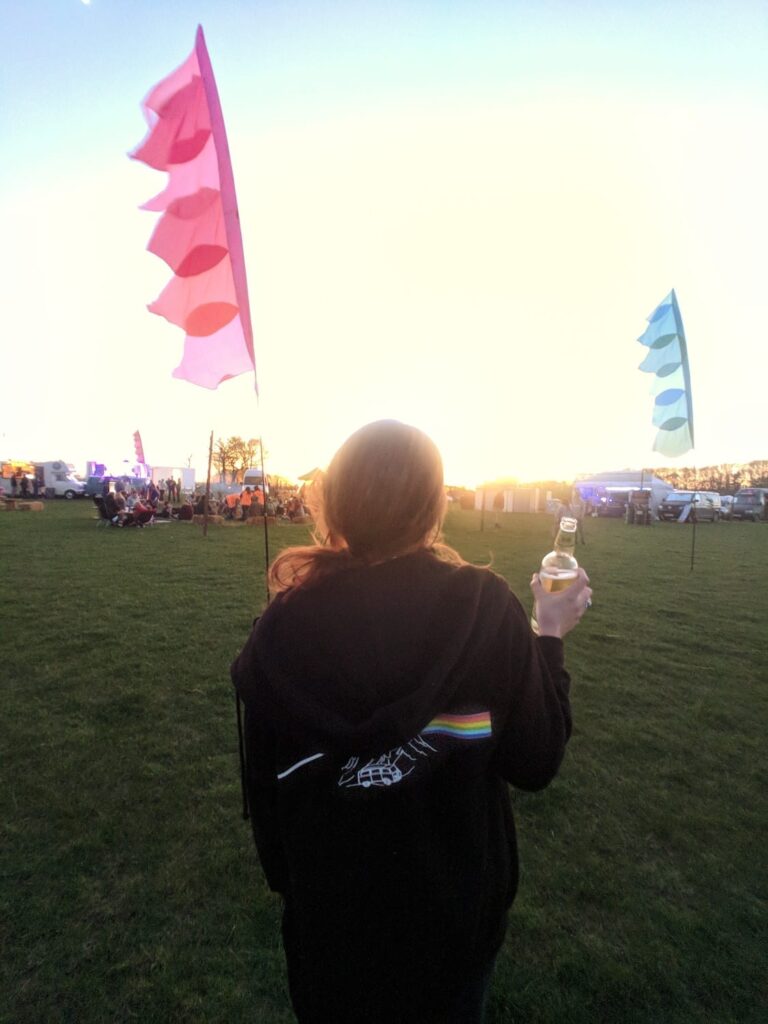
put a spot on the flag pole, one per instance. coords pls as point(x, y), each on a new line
point(673, 408)
point(695, 518)
point(207, 487)
point(266, 524)
point(263, 488)
point(234, 236)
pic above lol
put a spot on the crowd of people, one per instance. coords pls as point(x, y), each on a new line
point(124, 504)
point(163, 490)
point(252, 502)
point(23, 487)
point(130, 506)
point(140, 507)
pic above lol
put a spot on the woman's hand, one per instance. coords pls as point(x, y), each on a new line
point(557, 614)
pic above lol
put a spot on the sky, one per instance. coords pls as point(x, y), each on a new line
point(457, 214)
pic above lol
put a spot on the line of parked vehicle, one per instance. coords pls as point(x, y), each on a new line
point(749, 504)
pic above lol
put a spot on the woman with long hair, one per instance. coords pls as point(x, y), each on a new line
point(392, 693)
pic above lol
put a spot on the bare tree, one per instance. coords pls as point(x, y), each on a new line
point(253, 451)
point(245, 454)
point(223, 459)
point(238, 456)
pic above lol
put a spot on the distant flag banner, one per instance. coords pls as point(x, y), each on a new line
point(138, 447)
point(667, 359)
point(198, 234)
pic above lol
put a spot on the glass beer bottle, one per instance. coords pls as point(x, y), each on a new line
point(559, 568)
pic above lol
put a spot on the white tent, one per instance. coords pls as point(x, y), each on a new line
point(602, 486)
point(515, 499)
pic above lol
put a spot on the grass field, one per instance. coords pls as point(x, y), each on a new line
point(130, 888)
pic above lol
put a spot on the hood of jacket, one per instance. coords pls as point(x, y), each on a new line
point(366, 657)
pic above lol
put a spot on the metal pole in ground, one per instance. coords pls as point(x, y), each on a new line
point(207, 487)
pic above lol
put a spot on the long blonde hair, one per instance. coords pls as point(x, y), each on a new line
point(382, 496)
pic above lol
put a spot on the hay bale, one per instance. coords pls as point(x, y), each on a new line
point(215, 520)
point(259, 521)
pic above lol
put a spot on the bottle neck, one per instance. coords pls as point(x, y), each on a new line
point(565, 542)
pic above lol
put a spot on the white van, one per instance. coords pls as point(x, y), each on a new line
point(57, 480)
point(252, 478)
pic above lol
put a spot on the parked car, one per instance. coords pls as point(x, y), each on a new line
point(93, 486)
point(705, 506)
point(751, 504)
point(613, 503)
point(726, 503)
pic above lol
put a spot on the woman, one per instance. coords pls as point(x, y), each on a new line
point(391, 693)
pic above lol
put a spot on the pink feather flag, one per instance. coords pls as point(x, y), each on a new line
point(198, 234)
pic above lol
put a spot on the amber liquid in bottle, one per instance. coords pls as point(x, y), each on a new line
point(559, 567)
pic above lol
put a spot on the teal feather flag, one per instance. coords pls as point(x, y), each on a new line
point(667, 359)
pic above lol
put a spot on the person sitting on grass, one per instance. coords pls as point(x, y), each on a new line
point(392, 692)
point(295, 507)
point(141, 515)
point(115, 503)
point(110, 505)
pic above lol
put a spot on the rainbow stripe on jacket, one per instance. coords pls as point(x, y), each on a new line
point(463, 727)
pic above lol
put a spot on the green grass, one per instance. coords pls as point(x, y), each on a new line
point(130, 888)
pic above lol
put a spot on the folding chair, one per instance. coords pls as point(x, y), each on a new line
point(103, 518)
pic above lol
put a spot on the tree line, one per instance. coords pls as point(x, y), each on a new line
point(233, 455)
point(725, 478)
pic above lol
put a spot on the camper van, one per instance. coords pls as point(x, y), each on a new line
point(57, 480)
point(750, 503)
point(702, 505)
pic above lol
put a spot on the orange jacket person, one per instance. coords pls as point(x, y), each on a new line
point(245, 502)
point(231, 502)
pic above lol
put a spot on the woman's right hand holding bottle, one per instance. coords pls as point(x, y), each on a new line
point(557, 613)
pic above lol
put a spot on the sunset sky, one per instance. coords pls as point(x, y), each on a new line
point(458, 214)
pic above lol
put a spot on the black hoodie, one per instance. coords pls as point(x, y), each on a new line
point(386, 709)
